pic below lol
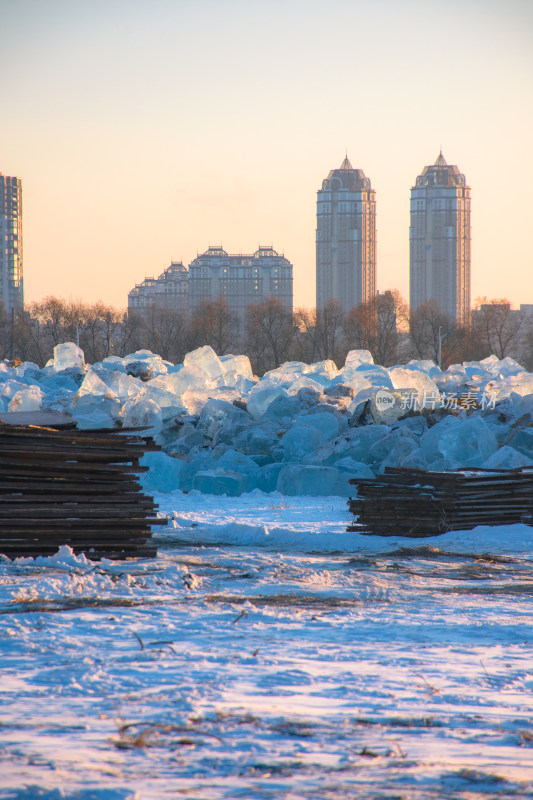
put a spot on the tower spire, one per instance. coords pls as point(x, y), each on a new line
point(346, 163)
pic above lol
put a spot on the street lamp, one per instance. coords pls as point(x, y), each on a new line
point(441, 337)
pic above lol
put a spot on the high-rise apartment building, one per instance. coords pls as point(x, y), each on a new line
point(242, 280)
point(439, 239)
point(11, 280)
point(346, 238)
point(170, 291)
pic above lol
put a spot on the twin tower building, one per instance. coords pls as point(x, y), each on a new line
point(345, 253)
point(439, 239)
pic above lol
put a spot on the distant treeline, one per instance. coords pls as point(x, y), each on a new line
point(270, 334)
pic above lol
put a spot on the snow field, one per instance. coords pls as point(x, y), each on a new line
point(284, 665)
point(266, 652)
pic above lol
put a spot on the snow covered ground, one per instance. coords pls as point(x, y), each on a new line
point(266, 653)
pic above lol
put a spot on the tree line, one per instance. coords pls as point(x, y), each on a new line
point(270, 334)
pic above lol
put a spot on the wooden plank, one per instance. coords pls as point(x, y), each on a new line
point(74, 487)
point(77, 541)
point(77, 448)
point(112, 551)
point(89, 491)
point(56, 494)
point(107, 438)
point(79, 524)
point(410, 502)
point(48, 481)
point(40, 418)
point(99, 513)
point(21, 468)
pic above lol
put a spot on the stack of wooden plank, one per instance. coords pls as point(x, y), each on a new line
point(419, 503)
point(74, 487)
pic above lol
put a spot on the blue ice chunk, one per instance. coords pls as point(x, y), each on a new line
point(188, 439)
point(283, 409)
point(507, 458)
point(68, 355)
point(233, 461)
point(258, 439)
point(261, 459)
point(305, 479)
point(392, 448)
point(140, 412)
point(423, 365)
point(356, 358)
point(429, 441)
point(261, 397)
point(199, 463)
point(112, 363)
point(299, 441)
point(416, 459)
point(205, 359)
point(222, 420)
point(356, 469)
point(378, 376)
point(58, 383)
point(219, 481)
point(95, 411)
point(163, 474)
point(323, 371)
point(470, 442)
point(398, 454)
point(523, 442)
point(362, 440)
point(266, 477)
point(327, 422)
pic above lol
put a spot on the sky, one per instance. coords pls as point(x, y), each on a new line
point(145, 131)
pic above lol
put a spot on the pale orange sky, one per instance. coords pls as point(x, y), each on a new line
point(144, 131)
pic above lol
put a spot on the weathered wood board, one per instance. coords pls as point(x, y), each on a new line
point(77, 487)
point(418, 503)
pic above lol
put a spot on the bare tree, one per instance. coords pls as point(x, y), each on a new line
point(98, 329)
point(497, 326)
point(463, 344)
point(319, 333)
point(49, 322)
point(304, 344)
point(112, 333)
point(269, 334)
point(329, 332)
point(375, 326)
point(160, 330)
point(124, 335)
point(58, 318)
point(30, 340)
point(428, 326)
point(215, 324)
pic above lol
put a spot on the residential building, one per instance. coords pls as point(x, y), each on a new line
point(439, 238)
point(346, 238)
point(505, 331)
point(170, 291)
point(241, 280)
point(11, 272)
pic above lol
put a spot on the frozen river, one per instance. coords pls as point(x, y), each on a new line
point(265, 653)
